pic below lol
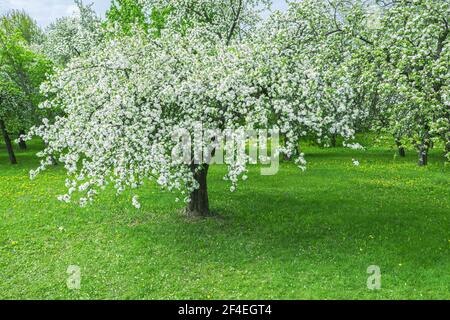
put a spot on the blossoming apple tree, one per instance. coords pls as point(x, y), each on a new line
point(208, 68)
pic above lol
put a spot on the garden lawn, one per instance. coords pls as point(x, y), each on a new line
point(295, 235)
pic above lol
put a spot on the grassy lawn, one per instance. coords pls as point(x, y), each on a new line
point(296, 235)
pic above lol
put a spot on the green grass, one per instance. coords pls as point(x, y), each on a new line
point(295, 235)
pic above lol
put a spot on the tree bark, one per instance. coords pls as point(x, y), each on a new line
point(401, 149)
point(9, 147)
point(199, 204)
point(22, 144)
point(447, 147)
point(286, 157)
point(423, 155)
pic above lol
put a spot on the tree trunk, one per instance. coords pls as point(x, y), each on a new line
point(54, 162)
point(401, 149)
point(22, 144)
point(333, 140)
point(199, 204)
point(423, 155)
point(447, 148)
point(9, 147)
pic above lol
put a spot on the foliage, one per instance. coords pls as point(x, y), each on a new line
point(19, 22)
point(10, 98)
point(128, 13)
point(21, 73)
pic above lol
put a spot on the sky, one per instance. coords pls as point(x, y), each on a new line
point(47, 11)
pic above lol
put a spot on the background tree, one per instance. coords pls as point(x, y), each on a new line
point(10, 99)
point(21, 70)
point(73, 36)
point(19, 22)
point(414, 44)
